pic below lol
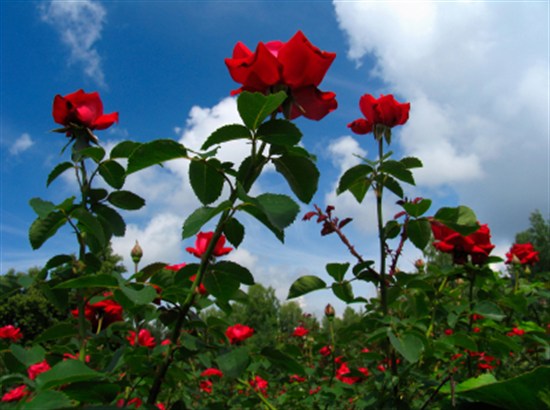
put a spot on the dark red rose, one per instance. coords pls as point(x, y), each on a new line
point(476, 245)
point(297, 67)
point(84, 109)
point(385, 110)
point(522, 253)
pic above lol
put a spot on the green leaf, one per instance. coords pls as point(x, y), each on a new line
point(411, 162)
point(234, 232)
point(58, 260)
point(234, 363)
point(472, 383)
point(89, 281)
point(301, 174)
point(126, 200)
point(28, 356)
point(280, 210)
point(489, 310)
point(41, 207)
point(279, 132)
point(464, 341)
point(262, 217)
point(249, 171)
point(89, 224)
point(337, 270)
point(254, 108)
point(113, 173)
point(206, 180)
point(392, 229)
point(305, 284)
point(236, 271)
point(343, 291)
point(527, 391)
point(220, 284)
point(398, 170)
point(460, 219)
point(155, 153)
point(283, 361)
point(101, 392)
point(110, 218)
point(142, 296)
point(66, 372)
point(419, 232)
point(417, 209)
point(353, 177)
point(49, 400)
point(94, 153)
point(44, 228)
point(56, 332)
point(124, 149)
point(58, 170)
point(408, 345)
point(393, 186)
point(200, 216)
point(226, 133)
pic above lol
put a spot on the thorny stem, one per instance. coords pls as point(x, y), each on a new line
point(397, 254)
point(445, 380)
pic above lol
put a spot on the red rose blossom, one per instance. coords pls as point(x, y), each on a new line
point(107, 311)
point(238, 333)
point(136, 402)
point(259, 384)
point(297, 67)
point(206, 386)
point(342, 374)
point(300, 331)
point(522, 253)
point(325, 351)
point(144, 338)
point(15, 394)
point(83, 109)
point(202, 242)
point(516, 332)
point(212, 372)
point(37, 368)
point(385, 110)
point(477, 245)
point(10, 332)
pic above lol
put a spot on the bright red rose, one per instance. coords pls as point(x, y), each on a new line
point(15, 394)
point(80, 108)
point(106, 311)
point(37, 368)
point(212, 372)
point(325, 351)
point(516, 332)
point(448, 332)
point(342, 375)
point(10, 332)
point(202, 242)
point(385, 110)
point(238, 333)
point(206, 386)
point(477, 245)
point(522, 253)
point(144, 338)
point(296, 67)
point(300, 331)
point(259, 384)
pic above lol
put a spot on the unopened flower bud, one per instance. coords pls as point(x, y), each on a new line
point(136, 253)
point(329, 311)
point(419, 264)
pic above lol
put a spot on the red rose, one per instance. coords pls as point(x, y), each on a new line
point(342, 375)
point(325, 351)
point(385, 110)
point(238, 333)
point(259, 384)
point(10, 332)
point(478, 244)
point(449, 332)
point(212, 372)
point(202, 242)
point(296, 66)
point(144, 338)
point(516, 332)
point(82, 109)
point(206, 386)
point(107, 311)
point(136, 402)
point(15, 394)
point(522, 253)
point(37, 368)
point(300, 331)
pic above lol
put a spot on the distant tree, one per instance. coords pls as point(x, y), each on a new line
point(538, 234)
point(290, 315)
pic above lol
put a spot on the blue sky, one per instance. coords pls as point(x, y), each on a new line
point(476, 74)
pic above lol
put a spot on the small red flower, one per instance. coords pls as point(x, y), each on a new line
point(297, 67)
point(238, 333)
point(314, 391)
point(83, 109)
point(259, 384)
point(206, 386)
point(136, 402)
point(296, 379)
point(522, 253)
point(300, 331)
point(144, 338)
point(212, 372)
point(325, 351)
point(449, 332)
point(342, 375)
point(476, 245)
point(476, 329)
point(15, 394)
point(10, 332)
point(365, 350)
point(70, 356)
point(385, 110)
point(37, 368)
point(202, 242)
point(516, 332)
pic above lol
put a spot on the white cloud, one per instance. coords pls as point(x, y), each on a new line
point(478, 93)
point(21, 144)
point(79, 24)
